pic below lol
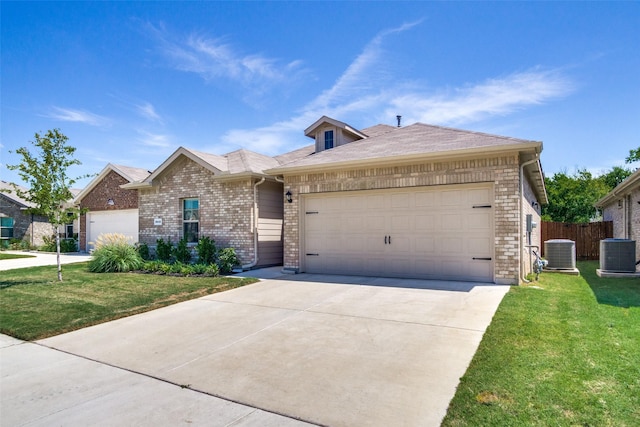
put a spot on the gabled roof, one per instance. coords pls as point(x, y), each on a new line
point(129, 173)
point(310, 131)
point(239, 163)
point(417, 140)
point(9, 193)
point(624, 188)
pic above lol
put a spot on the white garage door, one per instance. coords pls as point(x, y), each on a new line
point(121, 221)
point(443, 232)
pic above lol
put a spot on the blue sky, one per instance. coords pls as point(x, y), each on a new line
point(130, 82)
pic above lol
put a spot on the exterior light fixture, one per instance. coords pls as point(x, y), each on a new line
point(110, 202)
point(288, 194)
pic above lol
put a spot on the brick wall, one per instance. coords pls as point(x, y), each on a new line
point(25, 227)
point(528, 208)
point(502, 171)
point(629, 205)
point(97, 198)
point(226, 207)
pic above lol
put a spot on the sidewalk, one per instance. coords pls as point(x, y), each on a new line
point(37, 259)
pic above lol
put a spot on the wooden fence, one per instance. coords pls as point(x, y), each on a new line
point(587, 236)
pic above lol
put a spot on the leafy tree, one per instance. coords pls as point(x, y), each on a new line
point(615, 176)
point(571, 198)
point(45, 172)
point(634, 156)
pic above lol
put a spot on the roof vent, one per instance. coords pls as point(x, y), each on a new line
point(399, 119)
point(561, 254)
point(618, 255)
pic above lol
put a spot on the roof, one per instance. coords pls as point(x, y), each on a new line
point(417, 140)
point(310, 131)
point(7, 190)
point(236, 164)
point(624, 188)
point(129, 173)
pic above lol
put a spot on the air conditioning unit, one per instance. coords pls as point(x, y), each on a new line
point(561, 254)
point(618, 255)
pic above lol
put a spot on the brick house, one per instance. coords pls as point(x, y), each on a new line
point(16, 223)
point(622, 206)
point(110, 208)
point(418, 201)
point(227, 197)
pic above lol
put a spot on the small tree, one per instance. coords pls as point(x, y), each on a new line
point(45, 172)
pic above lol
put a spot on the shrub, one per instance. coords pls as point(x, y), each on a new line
point(68, 245)
point(164, 249)
point(227, 259)
point(182, 252)
point(212, 270)
point(206, 249)
point(143, 250)
point(114, 254)
point(49, 244)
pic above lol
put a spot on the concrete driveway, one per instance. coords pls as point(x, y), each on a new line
point(328, 350)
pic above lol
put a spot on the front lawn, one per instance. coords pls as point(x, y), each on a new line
point(4, 255)
point(563, 351)
point(34, 305)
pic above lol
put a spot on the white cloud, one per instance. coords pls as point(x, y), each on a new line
point(213, 58)
point(154, 140)
point(147, 110)
point(79, 116)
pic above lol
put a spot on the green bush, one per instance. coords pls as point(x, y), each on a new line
point(115, 257)
point(164, 249)
point(143, 250)
point(49, 244)
point(206, 249)
point(182, 252)
point(68, 245)
point(227, 259)
point(212, 270)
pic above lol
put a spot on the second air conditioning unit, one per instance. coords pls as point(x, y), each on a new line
point(618, 255)
point(561, 254)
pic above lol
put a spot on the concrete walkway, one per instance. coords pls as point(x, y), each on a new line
point(37, 259)
point(328, 350)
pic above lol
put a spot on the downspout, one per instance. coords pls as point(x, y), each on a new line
point(534, 160)
point(255, 226)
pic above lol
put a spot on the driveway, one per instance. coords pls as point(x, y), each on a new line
point(36, 259)
point(328, 350)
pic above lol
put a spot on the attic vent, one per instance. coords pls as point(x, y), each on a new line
point(561, 254)
point(618, 255)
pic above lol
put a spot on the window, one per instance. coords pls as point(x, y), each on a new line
point(68, 228)
point(6, 228)
point(328, 139)
point(190, 219)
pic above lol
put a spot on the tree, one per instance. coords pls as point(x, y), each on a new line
point(615, 176)
point(571, 198)
point(634, 156)
point(45, 172)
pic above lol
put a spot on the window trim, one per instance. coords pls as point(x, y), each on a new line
point(4, 227)
point(332, 140)
point(191, 220)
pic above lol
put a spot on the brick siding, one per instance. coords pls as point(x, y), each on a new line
point(502, 171)
point(226, 207)
point(24, 227)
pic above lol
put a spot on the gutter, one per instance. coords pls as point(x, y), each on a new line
point(255, 226)
point(534, 160)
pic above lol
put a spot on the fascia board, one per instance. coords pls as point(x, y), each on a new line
point(105, 171)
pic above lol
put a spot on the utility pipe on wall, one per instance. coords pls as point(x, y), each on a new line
point(255, 226)
point(522, 215)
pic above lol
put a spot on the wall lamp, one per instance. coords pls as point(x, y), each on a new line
point(289, 198)
point(110, 202)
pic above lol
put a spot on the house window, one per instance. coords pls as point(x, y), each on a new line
point(328, 139)
point(6, 228)
point(190, 219)
point(68, 228)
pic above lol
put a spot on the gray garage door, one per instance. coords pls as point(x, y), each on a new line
point(441, 232)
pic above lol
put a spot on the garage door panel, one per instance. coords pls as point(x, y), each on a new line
point(108, 222)
point(435, 233)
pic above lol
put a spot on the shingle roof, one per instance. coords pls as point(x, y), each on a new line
point(625, 187)
point(11, 194)
point(411, 140)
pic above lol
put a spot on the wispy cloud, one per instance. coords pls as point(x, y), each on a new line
point(154, 140)
point(367, 90)
point(215, 58)
point(79, 116)
point(148, 111)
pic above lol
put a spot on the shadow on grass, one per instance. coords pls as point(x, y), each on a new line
point(8, 284)
point(618, 292)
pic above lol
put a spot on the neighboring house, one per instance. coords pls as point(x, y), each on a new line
point(110, 208)
point(418, 201)
point(17, 223)
point(227, 198)
point(622, 206)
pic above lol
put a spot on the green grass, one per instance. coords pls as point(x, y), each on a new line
point(563, 351)
point(34, 305)
point(14, 256)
